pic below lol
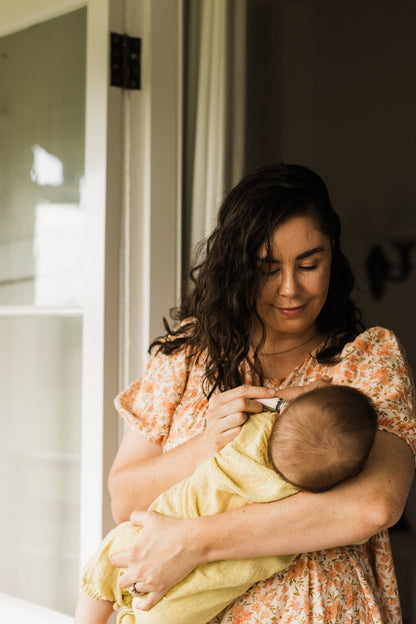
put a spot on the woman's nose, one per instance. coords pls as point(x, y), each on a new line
point(288, 284)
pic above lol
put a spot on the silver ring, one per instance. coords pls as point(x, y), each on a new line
point(133, 591)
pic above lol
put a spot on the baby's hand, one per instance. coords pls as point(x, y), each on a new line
point(292, 392)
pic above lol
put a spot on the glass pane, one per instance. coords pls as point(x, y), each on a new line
point(40, 388)
point(42, 117)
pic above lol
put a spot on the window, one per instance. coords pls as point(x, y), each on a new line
point(83, 285)
point(41, 313)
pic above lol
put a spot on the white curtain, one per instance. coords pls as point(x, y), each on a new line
point(214, 111)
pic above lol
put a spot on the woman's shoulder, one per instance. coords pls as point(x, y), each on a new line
point(372, 338)
point(149, 403)
point(376, 350)
point(377, 333)
point(376, 363)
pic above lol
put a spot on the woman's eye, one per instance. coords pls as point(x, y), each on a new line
point(269, 268)
point(271, 271)
point(308, 267)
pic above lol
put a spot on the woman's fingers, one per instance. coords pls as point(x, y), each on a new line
point(242, 392)
point(138, 518)
point(292, 392)
point(240, 405)
point(227, 412)
point(321, 382)
point(130, 560)
point(143, 603)
point(236, 403)
point(161, 557)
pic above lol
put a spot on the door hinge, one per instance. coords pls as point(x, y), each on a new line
point(125, 61)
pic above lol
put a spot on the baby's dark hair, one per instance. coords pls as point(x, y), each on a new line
point(323, 437)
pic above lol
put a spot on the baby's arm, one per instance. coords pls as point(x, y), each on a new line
point(90, 611)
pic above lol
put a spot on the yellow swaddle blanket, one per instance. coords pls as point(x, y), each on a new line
point(238, 475)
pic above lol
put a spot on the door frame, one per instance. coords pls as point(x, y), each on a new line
point(133, 165)
point(134, 172)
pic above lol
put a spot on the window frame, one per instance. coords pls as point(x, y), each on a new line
point(133, 143)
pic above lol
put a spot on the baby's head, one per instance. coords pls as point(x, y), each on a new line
point(323, 437)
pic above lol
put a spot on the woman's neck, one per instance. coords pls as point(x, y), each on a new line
point(282, 350)
point(279, 359)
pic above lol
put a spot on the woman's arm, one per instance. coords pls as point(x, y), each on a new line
point(138, 475)
point(353, 511)
point(141, 472)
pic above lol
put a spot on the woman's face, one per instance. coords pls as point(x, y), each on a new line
point(297, 280)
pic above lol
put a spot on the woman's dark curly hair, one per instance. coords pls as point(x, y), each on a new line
point(217, 316)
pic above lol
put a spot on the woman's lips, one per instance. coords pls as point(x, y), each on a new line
point(291, 311)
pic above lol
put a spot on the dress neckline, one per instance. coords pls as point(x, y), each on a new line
point(278, 381)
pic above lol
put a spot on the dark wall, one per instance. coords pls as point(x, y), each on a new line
point(330, 85)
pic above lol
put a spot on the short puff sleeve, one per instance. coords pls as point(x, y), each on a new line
point(382, 371)
point(148, 404)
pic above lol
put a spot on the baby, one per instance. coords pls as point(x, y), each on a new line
point(320, 439)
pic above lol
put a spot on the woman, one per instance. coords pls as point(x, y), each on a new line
point(270, 308)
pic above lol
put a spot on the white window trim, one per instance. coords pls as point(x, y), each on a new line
point(100, 340)
point(133, 204)
point(151, 236)
point(26, 13)
point(14, 610)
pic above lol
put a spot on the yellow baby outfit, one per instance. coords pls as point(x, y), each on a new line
point(238, 475)
point(338, 585)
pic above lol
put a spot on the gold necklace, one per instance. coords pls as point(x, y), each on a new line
point(292, 349)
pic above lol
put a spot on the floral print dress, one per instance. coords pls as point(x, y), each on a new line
point(345, 585)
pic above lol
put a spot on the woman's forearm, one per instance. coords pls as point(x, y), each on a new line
point(141, 472)
point(290, 526)
point(305, 522)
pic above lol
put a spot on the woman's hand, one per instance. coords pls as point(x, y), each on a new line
point(293, 392)
point(227, 412)
point(163, 555)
